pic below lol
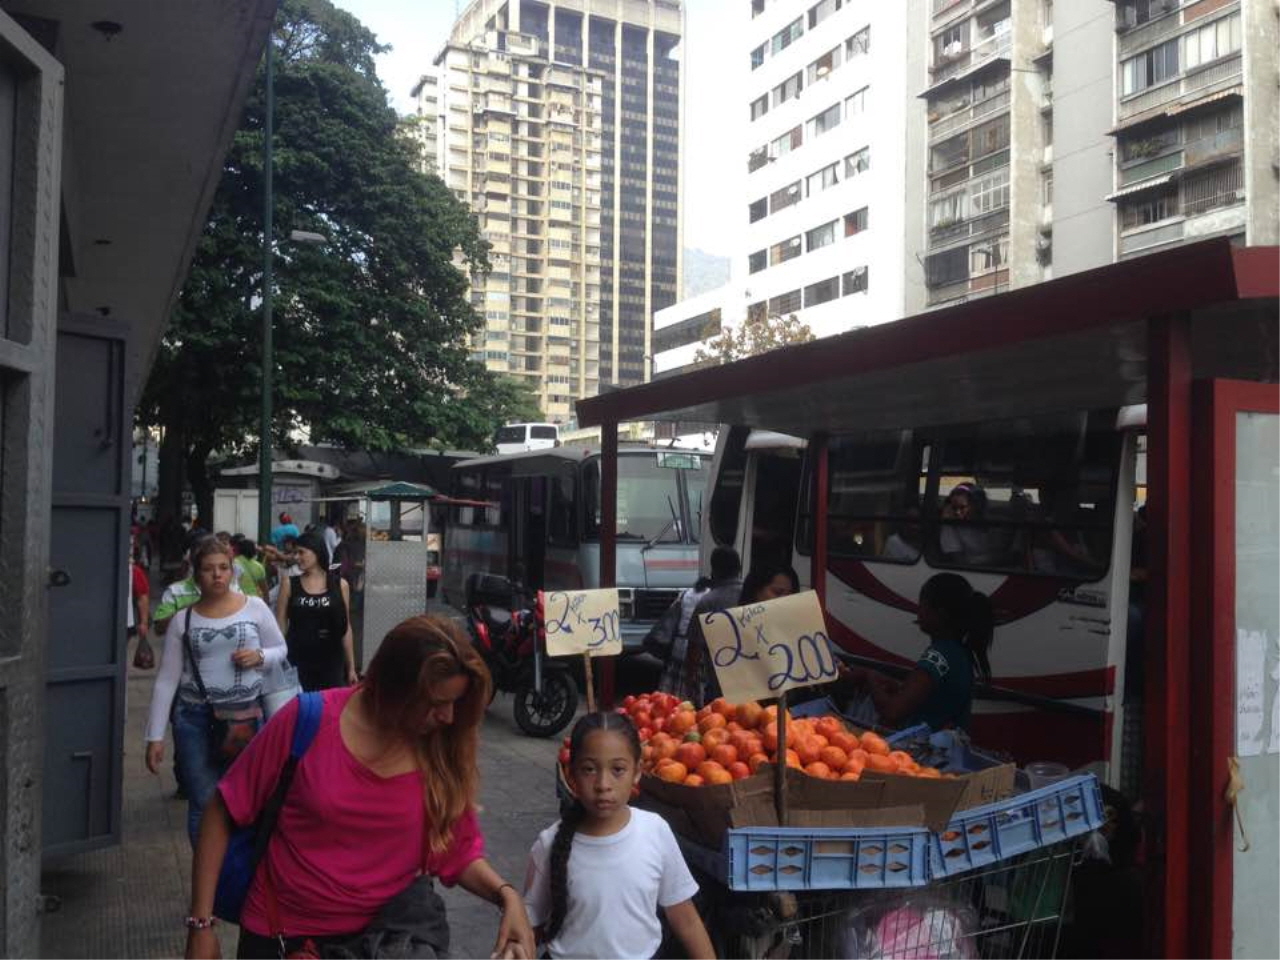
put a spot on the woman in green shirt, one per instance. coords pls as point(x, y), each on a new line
point(959, 622)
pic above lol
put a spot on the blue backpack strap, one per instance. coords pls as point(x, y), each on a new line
point(310, 709)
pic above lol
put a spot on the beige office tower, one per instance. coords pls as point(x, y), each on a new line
point(559, 127)
point(426, 119)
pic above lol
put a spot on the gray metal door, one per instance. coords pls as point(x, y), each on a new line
point(30, 179)
point(85, 656)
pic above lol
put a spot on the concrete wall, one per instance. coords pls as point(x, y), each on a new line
point(1083, 107)
point(1261, 37)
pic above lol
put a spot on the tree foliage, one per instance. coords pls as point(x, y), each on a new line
point(371, 327)
point(753, 337)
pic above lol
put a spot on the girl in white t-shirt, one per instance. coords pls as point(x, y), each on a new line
point(597, 878)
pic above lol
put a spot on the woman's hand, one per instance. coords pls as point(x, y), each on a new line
point(515, 932)
point(203, 945)
point(247, 659)
point(155, 755)
point(352, 676)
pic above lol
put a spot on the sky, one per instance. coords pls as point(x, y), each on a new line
point(418, 29)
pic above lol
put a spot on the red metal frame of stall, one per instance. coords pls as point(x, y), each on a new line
point(1162, 291)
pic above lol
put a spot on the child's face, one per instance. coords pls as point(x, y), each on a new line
point(604, 772)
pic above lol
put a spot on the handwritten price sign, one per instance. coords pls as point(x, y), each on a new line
point(764, 649)
point(582, 621)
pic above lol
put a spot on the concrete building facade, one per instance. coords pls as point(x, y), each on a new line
point(1195, 127)
point(426, 114)
point(560, 126)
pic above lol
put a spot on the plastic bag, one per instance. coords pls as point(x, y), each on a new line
point(144, 657)
point(911, 926)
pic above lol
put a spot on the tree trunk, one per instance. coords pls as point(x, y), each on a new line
point(201, 484)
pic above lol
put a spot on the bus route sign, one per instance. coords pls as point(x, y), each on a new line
point(582, 622)
point(762, 650)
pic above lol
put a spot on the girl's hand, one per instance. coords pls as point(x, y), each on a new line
point(352, 677)
point(203, 945)
point(155, 755)
point(246, 659)
point(515, 933)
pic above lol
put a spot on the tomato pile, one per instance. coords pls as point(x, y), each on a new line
point(724, 742)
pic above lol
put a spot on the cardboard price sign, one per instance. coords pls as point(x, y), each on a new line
point(765, 649)
point(582, 622)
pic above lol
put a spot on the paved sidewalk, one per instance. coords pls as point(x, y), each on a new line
point(129, 901)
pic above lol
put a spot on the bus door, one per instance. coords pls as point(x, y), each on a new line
point(773, 486)
point(527, 545)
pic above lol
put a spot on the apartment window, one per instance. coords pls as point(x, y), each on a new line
point(789, 141)
point(1218, 187)
point(990, 137)
point(857, 163)
point(826, 177)
point(1149, 147)
point(820, 236)
point(784, 37)
point(822, 67)
point(757, 8)
point(828, 119)
point(1151, 208)
point(757, 56)
point(788, 89)
point(859, 44)
point(785, 303)
point(988, 255)
point(784, 197)
point(788, 249)
point(856, 103)
point(1046, 188)
point(947, 267)
point(855, 222)
point(951, 42)
point(821, 292)
point(759, 210)
point(757, 158)
point(948, 210)
point(1149, 67)
point(759, 107)
point(1212, 124)
point(855, 281)
point(821, 10)
point(757, 261)
point(758, 312)
point(1211, 41)
point(990, 193)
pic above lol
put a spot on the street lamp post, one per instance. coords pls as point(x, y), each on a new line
point(268, 352)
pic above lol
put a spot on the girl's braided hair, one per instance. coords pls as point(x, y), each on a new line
point(562, 845)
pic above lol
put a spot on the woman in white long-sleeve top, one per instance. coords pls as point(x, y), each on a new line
point(216, 653)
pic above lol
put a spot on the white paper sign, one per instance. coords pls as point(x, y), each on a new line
point(1251, 658)
point(582, 621)
point(764, 649)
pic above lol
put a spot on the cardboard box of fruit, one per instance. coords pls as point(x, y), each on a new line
point(713, 769)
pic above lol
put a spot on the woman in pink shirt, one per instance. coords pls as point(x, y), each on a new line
point(386, 792)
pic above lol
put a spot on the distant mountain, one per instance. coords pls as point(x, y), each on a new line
point(703, 271)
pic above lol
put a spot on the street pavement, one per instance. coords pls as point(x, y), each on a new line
point(130, 900)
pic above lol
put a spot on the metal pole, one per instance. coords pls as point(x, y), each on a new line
point(268, 353)
point(608, 538)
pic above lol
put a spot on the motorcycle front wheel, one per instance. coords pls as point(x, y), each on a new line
point(547, 713)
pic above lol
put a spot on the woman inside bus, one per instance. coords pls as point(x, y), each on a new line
point(963, 539)
point(959, 622)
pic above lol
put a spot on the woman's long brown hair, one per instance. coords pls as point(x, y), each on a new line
point(414, 657)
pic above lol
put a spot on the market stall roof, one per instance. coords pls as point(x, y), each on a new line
point(1080, 341)
point(401, 490)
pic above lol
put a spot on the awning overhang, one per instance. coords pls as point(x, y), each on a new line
point(1079, 342)
point(1142, 185)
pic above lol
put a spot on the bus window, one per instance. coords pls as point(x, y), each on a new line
point(561, 529)
point(467, 488)
point(874, 497)
point(1034, 495)
point(726, 499)
point(648, 500)
point(773, 514)
point(498, 493)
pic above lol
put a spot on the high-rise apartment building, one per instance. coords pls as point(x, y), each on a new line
point(1196, 151)
point(426, 117)
point(561, 129)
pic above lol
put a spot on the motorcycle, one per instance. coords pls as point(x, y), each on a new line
point(506, 633)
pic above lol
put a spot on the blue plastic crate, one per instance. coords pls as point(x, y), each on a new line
point(827, 858)
point(998, 831)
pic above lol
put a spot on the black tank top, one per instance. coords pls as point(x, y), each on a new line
point(317, 624)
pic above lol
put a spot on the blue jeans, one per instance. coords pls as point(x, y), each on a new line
point(194, 754)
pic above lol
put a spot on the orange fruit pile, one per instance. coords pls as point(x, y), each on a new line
point(724, 742)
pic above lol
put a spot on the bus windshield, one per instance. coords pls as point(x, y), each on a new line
point(648, 501)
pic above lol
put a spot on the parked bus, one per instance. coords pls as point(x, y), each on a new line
point(1047, 534)
point(523, 437)
point(534, 517)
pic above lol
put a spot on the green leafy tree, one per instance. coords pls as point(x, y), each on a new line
point(371, 326)
point(759, 335)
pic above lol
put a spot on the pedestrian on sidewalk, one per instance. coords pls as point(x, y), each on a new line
point(214, 661)
point(385, 795)
point(314, 613)
point(597, 879)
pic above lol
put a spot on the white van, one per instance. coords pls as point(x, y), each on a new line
point(523, 437)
